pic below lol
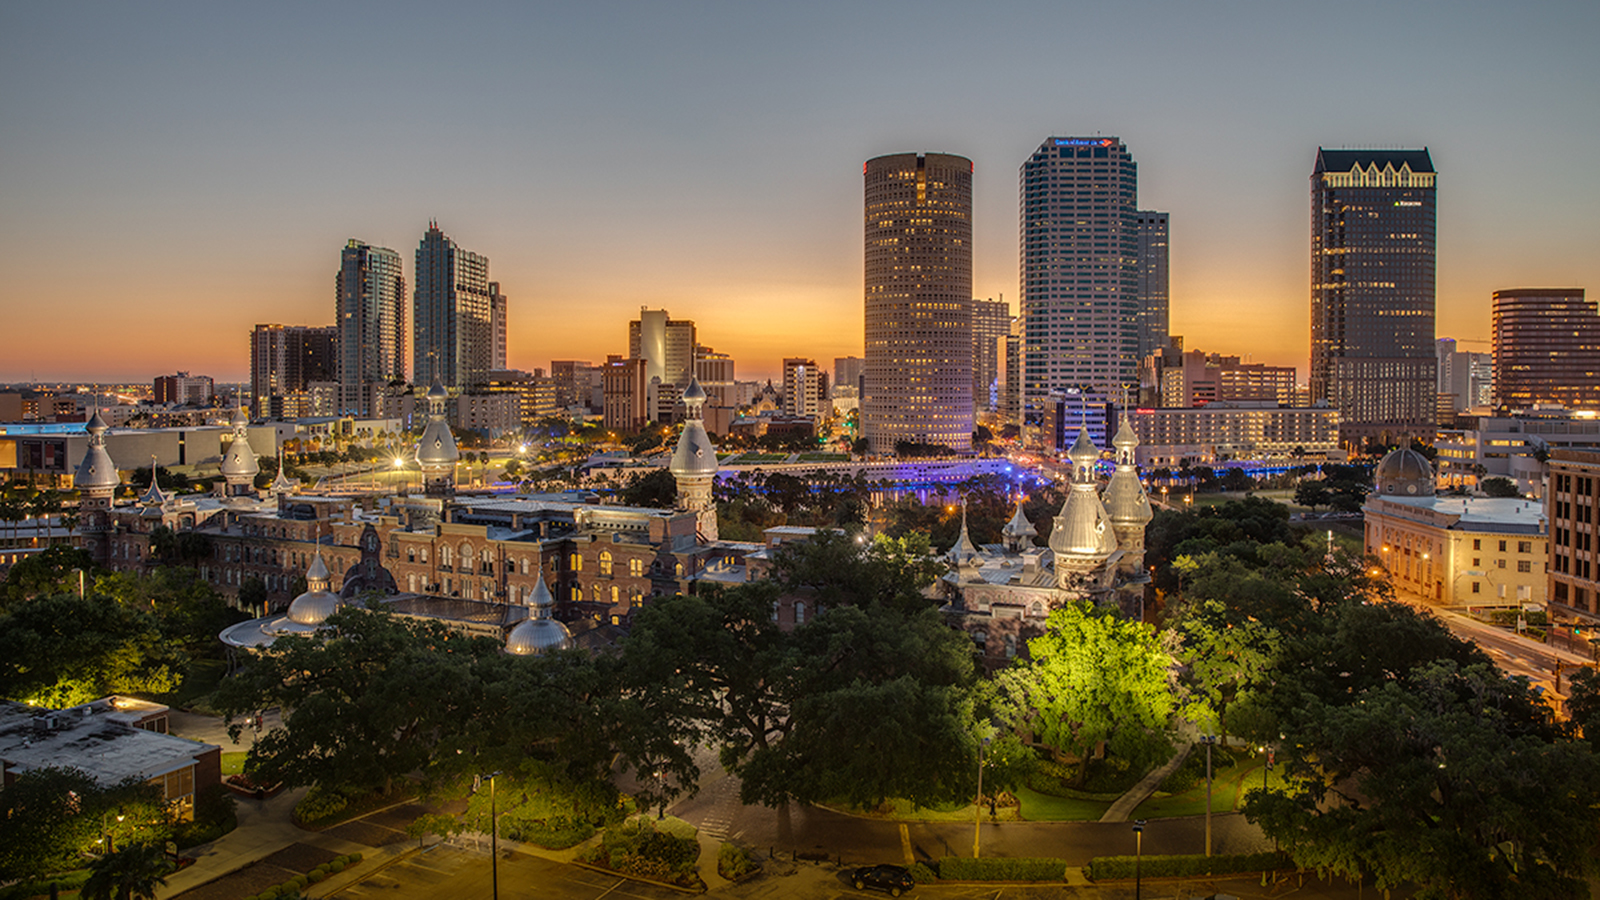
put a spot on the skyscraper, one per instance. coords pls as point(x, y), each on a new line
point(1153, 265)
point(285, 362)
point(1372, 292)
point(665, 344)
point(1080, 285)
point(452, 314)
point(370, 315)
point(1546, 348)
point(918, 236)
point(991, 322)
point(497, 326)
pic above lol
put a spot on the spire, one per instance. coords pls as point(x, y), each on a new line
point(97, 473)
point(153, 496)
point(964, 553)
point(1082, 538)
point(1019, 532)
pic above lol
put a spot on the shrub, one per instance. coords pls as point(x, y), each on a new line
point(734, 862)
point(1111, 867)
point(336, 866)
point(299, 882)
point(921, 874)
point(556, 833)
point(960, 868)
point(318, 804)
point(315, 875)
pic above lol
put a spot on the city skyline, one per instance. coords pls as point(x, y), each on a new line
point(208, 157)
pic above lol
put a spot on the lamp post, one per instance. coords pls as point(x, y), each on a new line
point(494, 842)
point(1138, 855)
point(1209, 740)
point(977, 805)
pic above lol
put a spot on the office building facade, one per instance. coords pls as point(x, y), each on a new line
point(370, 315)
point(1154, 323)
point(1373, 215)
point(1080, 276)
point(1546, 348)
point(917, 227)
point(666, 345)
point(805, 388)
point(452, 314)
point(991, 322)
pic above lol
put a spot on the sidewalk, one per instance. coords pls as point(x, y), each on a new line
point(265, 827)
point(1124, 806)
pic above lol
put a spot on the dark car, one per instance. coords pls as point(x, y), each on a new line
point(894, 879)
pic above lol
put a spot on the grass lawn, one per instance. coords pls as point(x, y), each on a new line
point(233, 761)
point(1037, 807)
point(1227, 792)
point(898, 810)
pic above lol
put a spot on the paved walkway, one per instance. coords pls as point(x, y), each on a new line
point(1127, 803)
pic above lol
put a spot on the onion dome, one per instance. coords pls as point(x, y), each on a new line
point(97, 471)
point(317, 603)
point(540, 633)
point(1083, 536)
point(964, 553)
point(240, 461)
point(437, 448)
point(1404, 472)
point(1084, 454)
point(1125, 497)
point(695, 454)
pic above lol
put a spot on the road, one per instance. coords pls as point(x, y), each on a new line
point(1515, 654)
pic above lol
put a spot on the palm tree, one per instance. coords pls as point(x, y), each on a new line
point(132, 873)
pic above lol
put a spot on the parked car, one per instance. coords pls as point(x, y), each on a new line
point(894, 879)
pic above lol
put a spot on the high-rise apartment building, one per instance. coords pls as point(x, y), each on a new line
point(497, 326)
point(805, 388)
point(287, 362)
point(848, 372)
point(1010, 387)
point(666, 346)
point(991, 322)
point(370, 315)
point(1372, 292)
point(1080, 285)
point(918, 237)
point(1153, 319)
point(1546, 348)
point(452, 314)
point(627, 406)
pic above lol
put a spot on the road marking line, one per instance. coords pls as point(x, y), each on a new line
point(905, 844)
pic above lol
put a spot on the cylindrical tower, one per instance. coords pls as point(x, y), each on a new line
point(918, 226)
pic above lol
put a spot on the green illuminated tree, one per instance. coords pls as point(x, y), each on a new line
point(1094, 676)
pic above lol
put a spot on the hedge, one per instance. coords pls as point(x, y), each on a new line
point(1103, 868)
point(960, 868)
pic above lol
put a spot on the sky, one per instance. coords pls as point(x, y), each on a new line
point(173, 173)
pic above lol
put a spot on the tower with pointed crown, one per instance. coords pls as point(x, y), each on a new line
point(694, 465)
point(97, 482)
point(1127, 502)
point(239, 465)
point(1083, 538)
point(436, 451)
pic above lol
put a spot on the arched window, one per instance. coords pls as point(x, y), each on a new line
point(616, 594)
point(597, 593)
point(577, 593)
point(524, 565)
point(576, 562)
point(636, 567)
point(800, 613)
point(411, 582)
point(679, 570)
point(1011, 646)
point(1036, 610)
point(605, 562)
point(444, 555)
point(411, 554)
point(466, 556)
point(424, 553)
point(486, 562)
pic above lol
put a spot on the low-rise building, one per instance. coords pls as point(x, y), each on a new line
point(1572, 504)
point(112, 739)
point(1236, 430)
point(1455, 550)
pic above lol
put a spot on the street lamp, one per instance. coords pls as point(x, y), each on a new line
point(494, 842)
point(1138, 855)
point(1209, 740)
point(977, 805)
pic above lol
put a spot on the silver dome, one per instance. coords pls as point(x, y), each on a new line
point(437, 448)
point(97, 471)
point(1404, 472)
point(540, 634)
point(240, 460)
